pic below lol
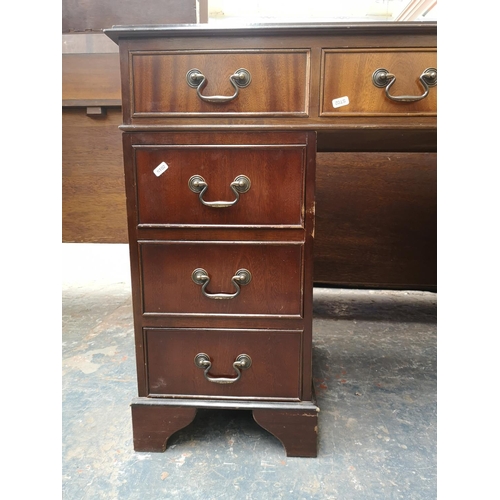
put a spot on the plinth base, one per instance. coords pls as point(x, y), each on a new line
point(294, 424)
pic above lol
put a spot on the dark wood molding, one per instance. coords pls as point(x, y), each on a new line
point(286, 29)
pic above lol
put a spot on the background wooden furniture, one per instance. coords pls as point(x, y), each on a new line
point(96, 15)
point(93, 188)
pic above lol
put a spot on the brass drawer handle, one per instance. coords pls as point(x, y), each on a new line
point(239, 79)
point(241, 278)
point(382, 78)
point(241, 184)
point(242, 362)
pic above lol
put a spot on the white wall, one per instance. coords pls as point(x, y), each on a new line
point(303, 11)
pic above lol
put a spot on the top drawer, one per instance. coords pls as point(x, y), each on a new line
point(219, 83)
point(230, 179)
point(350, 74)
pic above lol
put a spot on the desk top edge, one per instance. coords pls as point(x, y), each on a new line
point(284, 29)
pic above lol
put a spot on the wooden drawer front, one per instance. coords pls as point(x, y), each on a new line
point(275, 197)
point(275, 286)
point(279, 83)
point(274, 371)
point(349, 74)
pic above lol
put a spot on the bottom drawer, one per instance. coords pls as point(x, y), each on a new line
point(274, 372)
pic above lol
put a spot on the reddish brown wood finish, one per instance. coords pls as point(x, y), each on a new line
point(93, 182)
point(296, 429)
point(168, 200)
point(349, 73)
point(279, 259)
point(271, 317)
point(274, 373)
point(279, 82)
point(382, 208)
point(275, 287)
point(153, 425)
point(311, 39)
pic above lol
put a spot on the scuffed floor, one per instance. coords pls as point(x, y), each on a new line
point(374, 362)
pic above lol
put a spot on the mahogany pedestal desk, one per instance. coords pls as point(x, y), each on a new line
point(221, 127)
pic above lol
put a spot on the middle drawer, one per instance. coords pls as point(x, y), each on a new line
point(223, 185)
point(221, 278)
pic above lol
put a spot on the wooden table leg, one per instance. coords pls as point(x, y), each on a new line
point(153, 424)
point(296, 429)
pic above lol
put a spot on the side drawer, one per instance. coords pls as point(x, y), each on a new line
point(250, 185)
point(349, 73)
point(169, 286)
point(201, 82)
point(274, 372)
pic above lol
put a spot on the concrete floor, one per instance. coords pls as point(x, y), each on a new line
point(374, 363)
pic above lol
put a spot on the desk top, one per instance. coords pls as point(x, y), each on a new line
point(280, 29)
